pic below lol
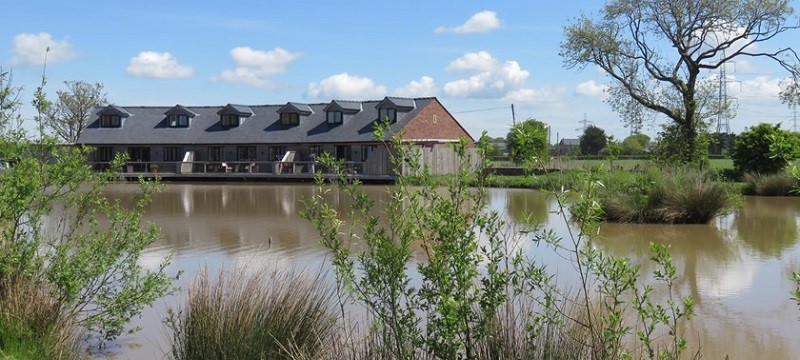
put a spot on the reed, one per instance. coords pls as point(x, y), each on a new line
point(32, 324)
point(778, 184)
point(268, 315)
point(688, 197)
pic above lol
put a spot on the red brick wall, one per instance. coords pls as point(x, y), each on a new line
point(434, 122)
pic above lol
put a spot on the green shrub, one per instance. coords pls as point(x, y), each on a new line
point(777, 184)
point(278, 315)
point(689, 197)
point(752, 151)
point(32, 325)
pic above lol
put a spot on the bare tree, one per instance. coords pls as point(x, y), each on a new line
point(73, 110)
point(9, 100)
point(656, 50)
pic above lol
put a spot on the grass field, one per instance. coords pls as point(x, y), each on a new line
point(620, 164)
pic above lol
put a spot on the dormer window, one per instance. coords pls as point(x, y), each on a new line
point(290, 118)
point(110, 121)
point(233, 115)
point(178, 120)
point(334, 117)
point(229, 120)
point(390, 113)
point(291, 112)
point(179, 116)
point(112, 116)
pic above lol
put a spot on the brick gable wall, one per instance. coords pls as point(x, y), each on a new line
point(435, 122)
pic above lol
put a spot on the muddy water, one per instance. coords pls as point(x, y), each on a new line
point(736, 269)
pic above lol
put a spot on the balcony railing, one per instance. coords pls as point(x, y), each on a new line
point(230, 167)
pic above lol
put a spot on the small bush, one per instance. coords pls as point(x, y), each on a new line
point(280, 315)
point(32, 325)
point(691, 197)
point(779, 184)
point(752, 151)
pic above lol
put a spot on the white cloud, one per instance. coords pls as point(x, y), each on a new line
point(535, 96)
point(30, 49)
point(483, 21)
point(256, 67)
point(475, 62)
point(159, 65)
point(425, 86)
point(345, 86)
point(491, 79)
point(592, 89)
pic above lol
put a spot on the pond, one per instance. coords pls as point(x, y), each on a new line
point(737, 269)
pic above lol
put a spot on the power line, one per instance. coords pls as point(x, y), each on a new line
point(479, 110)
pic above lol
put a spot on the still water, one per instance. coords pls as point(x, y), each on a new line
point(736, 269)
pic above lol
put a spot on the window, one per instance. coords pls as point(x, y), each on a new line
point(214, 153)
point(110, 121)
point(178, 120)
point(276, 153)
point(245, 153)
point(104, 153)
point(344, 152)
point(230, 120)
point(315, 149)
point(366, 151)
point(173, 153)
point(290, 118)
point(387, 112)
point(334, 117)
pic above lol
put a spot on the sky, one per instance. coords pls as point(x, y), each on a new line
point(477, 57)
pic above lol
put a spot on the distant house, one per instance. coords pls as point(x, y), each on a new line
point(568, 146)
point(270, 139)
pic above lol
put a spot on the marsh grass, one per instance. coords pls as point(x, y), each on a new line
point(268, 315)
point(779, 184)
point(33, 325)
point(687, 197)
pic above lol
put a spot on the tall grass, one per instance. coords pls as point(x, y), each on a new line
point(687, 197)
point(32, 324)
point(780, 184)
point(269, 315)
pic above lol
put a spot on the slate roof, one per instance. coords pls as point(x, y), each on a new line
point(570, 142)
point(113, 110)
point(149, 125)
point(344, 106)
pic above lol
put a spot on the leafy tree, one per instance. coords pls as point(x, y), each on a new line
point(671, 146)
point(60, 232)
point(635, 144)
point(754, 150)
point(488, 145)
point(527, 141)
point(656, 51)
point(721, 143)
point(593, 140)
point(73, 110)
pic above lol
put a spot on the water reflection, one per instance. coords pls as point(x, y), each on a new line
point(768, 225)
point(736, 269)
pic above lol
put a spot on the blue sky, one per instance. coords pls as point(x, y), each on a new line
point(477, 57)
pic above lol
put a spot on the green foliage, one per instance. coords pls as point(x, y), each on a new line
point(267, 315)
point(487, 145)
point(683, 197)
point(777, 184)
point(635, 144)
point(477, 295)
point(672, 150)
point(593, 140)
point(60, 231)
point(764, 149)
point(527, 142)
